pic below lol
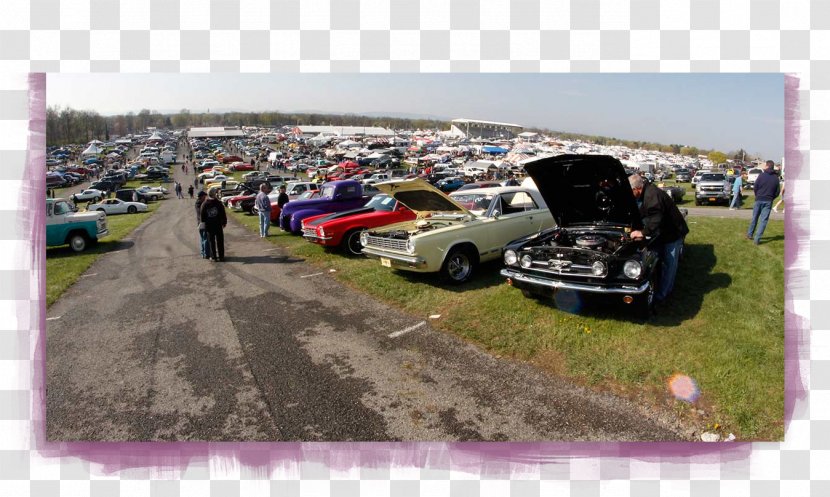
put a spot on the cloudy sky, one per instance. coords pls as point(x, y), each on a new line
point(720, 111)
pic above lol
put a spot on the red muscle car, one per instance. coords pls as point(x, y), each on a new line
point(342, 229)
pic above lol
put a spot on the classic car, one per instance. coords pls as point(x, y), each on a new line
point(336, 196)
point(450, 184)
point(590, 250)
point(117, 206)
point(153, 192)
point(479, 184)
point(64, 225)
point(87, 195)
point(343, 229)
point(675, 192)
point(241, 166)
point(449, 238)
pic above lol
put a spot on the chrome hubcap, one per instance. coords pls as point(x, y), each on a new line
point(458, 267)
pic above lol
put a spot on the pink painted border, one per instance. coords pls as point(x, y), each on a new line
point(496, 459)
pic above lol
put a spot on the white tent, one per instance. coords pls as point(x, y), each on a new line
point(92, 150)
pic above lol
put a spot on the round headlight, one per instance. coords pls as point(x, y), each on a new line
point(526, 261)
point(598, 268)
point(364, 238)
point(632, 269)
point(410, 246)
point(510, 257)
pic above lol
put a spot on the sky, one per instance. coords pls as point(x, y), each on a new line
point(725, 112)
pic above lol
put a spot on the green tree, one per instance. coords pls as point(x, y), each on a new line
point(717, 157)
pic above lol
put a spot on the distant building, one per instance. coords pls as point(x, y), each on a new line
point(470, 128)
point(311, 131)
point(215, 132)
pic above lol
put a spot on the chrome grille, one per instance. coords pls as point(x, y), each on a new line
point(309, 232)
point(386, 243)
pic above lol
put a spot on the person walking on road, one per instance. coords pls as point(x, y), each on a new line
point(204, 247)
point(190, 191)
point(737, 201)
point(662, 220)
point(263, 206)
point(178, 189)
point(215, 219)
point(766, 189)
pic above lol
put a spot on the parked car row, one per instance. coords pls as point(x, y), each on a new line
point(566, 228)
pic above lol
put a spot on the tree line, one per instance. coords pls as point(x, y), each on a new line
point(67, 126)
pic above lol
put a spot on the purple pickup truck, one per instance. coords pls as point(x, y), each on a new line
point(335, 196)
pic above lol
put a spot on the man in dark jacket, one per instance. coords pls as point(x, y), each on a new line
point(663, 222)
point(215, 219)
point(282, 198)
point(204, 247)
point(766, 189)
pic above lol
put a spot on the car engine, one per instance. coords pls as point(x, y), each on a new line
point(605, 242)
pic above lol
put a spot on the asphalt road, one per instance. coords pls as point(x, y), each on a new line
point(155, 343)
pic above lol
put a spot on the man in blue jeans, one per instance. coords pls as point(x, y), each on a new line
point(204, 247)
point(662, 221)
point(766, 189)
point(263, 206)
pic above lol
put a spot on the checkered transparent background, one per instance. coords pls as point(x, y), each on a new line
point(422, 36)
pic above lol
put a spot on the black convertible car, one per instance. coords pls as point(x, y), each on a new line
point(590, 249)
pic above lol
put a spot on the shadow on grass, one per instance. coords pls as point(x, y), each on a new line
point(98, 248)
point(694, 280)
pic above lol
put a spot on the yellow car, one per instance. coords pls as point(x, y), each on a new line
point(453, 234)
point(229, 183)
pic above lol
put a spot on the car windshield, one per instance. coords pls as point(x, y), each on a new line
point(477, 203)
point(382, 203)
point(754, 171)
point(682, 171)
point(712, 177)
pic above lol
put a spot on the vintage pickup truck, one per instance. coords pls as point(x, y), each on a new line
point(64, 225)
point(335, 196)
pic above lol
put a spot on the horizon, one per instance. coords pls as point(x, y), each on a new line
point(724, 112)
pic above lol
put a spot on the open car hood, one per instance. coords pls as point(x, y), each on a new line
point(584, 189)
point(421, 197)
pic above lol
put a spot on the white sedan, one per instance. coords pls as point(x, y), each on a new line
point(87, 195)
point(117, 206)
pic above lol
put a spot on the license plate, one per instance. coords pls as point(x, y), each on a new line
point(712, 199)
point(385, 262)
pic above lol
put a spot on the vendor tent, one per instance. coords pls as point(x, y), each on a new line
point(92, 150)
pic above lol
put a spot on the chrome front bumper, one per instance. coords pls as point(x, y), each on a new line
point(567, 285)
point(412, 261)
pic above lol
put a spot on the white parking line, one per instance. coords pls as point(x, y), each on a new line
point(310, 275)
point(53, 318)
point(407, 330)
point(88, 275)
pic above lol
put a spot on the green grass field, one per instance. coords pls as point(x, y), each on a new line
point(723, 326)
point(64, 267)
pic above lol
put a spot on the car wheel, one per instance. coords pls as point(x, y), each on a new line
point(96, 199)
point(645, 302)
point(131, 209)
point(77, 242)
point(351, 243)
point(697, 202)
point(459, 266)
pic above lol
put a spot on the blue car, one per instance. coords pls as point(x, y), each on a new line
point(450, 184)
